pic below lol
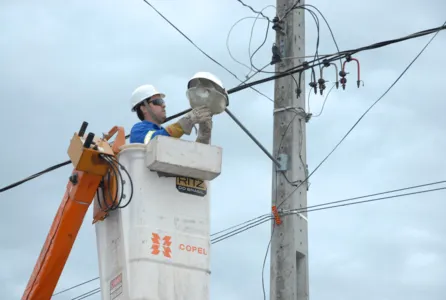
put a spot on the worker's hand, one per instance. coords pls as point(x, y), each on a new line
point(204, 132)
point(195, 116)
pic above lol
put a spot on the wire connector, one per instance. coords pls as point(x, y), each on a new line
point(313, 83)
point(343, 74)
point(322, 81)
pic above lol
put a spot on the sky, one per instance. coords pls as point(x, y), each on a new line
point(64, 63)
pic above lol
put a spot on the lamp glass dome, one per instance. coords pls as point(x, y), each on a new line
point(204, 91)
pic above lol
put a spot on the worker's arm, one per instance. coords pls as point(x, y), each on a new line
point(140, 133)
point(204, 132)
point(173, 130)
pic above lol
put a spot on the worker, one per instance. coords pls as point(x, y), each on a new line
point(150, 107)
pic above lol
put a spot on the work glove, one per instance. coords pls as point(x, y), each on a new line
point(204, 132)
point(195, 116)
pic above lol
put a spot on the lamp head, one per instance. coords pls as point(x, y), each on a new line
point(206, 89)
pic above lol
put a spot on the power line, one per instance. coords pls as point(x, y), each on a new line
point(323, 104)
point(333, 57)
point(304, 6)
point(239, 228)
point(244, 228)
point(264, 263)
point(254, 11)
point(372, 195)
point(316, 56)
point(34, 176)
point(229, 35)
point(87, 294)
point(187, 38)
point(294, 211)
point(254, 222)
point(262, 44)
point(298, 69)
point(75, 286)
point(362, 116)
point(199, 49)
point(313, 208)
point(244, 223)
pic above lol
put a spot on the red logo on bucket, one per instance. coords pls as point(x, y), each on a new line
point(156, 245)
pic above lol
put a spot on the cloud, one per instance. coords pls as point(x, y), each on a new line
point(65, 63)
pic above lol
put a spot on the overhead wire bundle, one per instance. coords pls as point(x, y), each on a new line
point(254, 222)
point(304, 66)
point(114, 164)
point(377, 45)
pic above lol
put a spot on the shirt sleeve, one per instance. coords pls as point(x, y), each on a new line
point(143, 134)
point(153, 133)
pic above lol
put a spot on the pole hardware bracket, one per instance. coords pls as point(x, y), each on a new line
point(282, 158)
point(302, 113)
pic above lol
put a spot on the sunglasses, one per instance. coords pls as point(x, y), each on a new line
point(157, 101)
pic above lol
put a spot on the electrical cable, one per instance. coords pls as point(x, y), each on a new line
point(244, 228)
point(111, 169)
point(186, 37)
point(303, 6)
point(325, 206)
point(362, 116)
point(254, 74)
point(291, 71)
point(130, 180)
point(299, 211)
point(75, 286)
point(266, 217)
point(87, 294)
point(327, 59)
point(238, 225)
point(262, 44)
point(227, 41)
point(199, 49)
point(316, 55)
point(247, 225)
point(115, 166)
point(264, 263)
point(254, 11)
point(325, 100)
point(52, 168)
point(289, 10)
point(310, 208)
point(316, 20)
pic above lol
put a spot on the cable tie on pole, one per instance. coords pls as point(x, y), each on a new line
point(277, 218)
point(276, 110)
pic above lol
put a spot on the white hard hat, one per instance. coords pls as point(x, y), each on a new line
point(142, 93)
point(205, 88)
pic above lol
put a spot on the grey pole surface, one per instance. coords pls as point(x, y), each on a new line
point(289, 244)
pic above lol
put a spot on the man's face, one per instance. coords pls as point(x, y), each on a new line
point(158, 106)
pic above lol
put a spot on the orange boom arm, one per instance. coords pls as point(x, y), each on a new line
point(62, 235)
point(80, 192)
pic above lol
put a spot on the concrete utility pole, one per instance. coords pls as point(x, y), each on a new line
point(289, 245)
